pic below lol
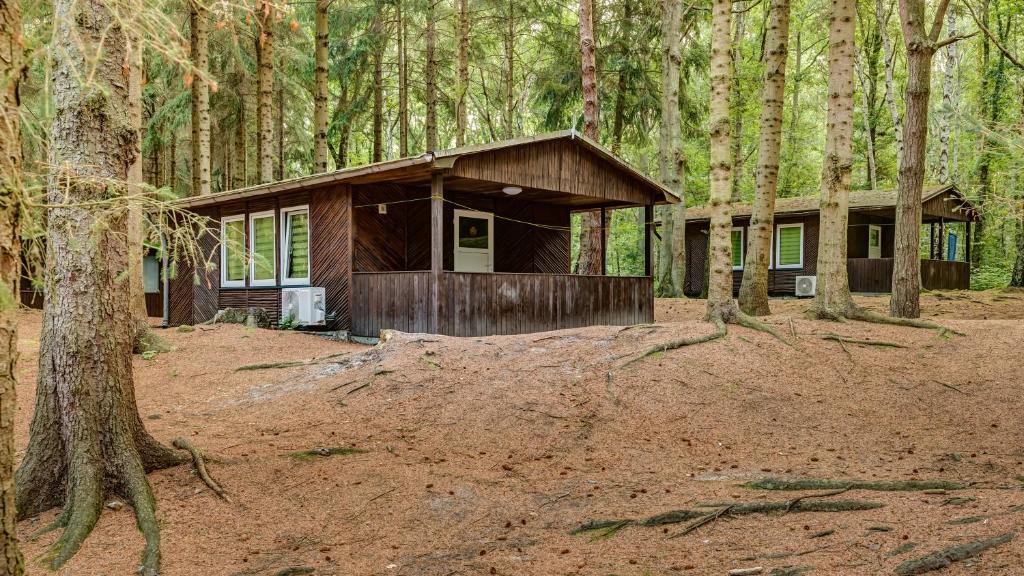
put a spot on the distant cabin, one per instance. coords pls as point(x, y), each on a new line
point(471, 241)
point(870, 240)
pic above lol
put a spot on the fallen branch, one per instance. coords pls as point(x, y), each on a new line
point(703, 521)
point(200, 464)
point(875, 485)
point(798, 499)
point(842, 340)
point(944, 558)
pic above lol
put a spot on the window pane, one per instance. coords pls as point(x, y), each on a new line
point(875, 237)
point(790, 240)
point(297, 249)
point(737, 248)
point(473, 232)
point(234, 250)
point(263, 248)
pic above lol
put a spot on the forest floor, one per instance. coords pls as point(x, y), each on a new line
point(481, 455)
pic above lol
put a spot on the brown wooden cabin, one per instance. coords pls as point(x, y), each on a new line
point(466, 242)
point(870, 240)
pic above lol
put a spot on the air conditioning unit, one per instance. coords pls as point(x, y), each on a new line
point(805, 286)
point(304, 306)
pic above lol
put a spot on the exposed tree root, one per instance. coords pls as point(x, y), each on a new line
point(875, 485)
point(944, 558)
point(295, 571)
point(842, 340)
point(746, 321)
point(720, 332)
point(292, 363)
point(325, 451)
point(199, 461)
point(604, 528)
point(856, 313)
point(147, 341)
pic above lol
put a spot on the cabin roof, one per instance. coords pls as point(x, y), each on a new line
point(860, 201)
point(419, 168)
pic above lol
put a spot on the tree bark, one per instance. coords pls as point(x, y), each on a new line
point(754, 289)
point(890, 85)
point(431, 75)
point(832, 298)
point(199, 19)
point(462, 88)
point(1017, 277)
point(950, 95)
point(86, 437)
point(869, 133)
point(12, 67)
point(590, 256)
point(279, 129)
point(142, 338)
point(510, 68)
point(671, 166)
point(403, 83)
point(320, 93)
point(265, 13)
point(736, 108)
point(378, 96)
point(721, 307)
point(238, 149)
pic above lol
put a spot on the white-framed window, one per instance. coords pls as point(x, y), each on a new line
point(874, 241)
point(232, 251)
point(295, 245)
point(262, 249)
point(738, 246)
point(789, 246)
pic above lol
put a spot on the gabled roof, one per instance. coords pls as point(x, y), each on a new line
point(860, 200)
point(422, 165)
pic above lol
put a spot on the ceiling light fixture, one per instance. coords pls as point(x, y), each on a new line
point(511, 190)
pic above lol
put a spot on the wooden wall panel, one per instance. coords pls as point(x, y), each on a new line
point(204, 294)
point(330, 245)
point(383, 242)
point(269, 299)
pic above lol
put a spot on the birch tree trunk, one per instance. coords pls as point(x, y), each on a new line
point(754, 289)
point(890, 84)
point(265, 91)
point(672, 261)
point(320, 113)
point(462, 88)
point(12, 67)
point(721, 308)
point(403, 83)
point(199, 20)
point(590, 256)
point(832, 298)
point(431, 75)
point(949, 97)
point(86, 437)
point(869, 133)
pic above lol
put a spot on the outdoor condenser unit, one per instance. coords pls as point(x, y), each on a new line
point(805, 285)
point(305, 306)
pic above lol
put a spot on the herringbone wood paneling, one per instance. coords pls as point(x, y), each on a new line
point(330, 246)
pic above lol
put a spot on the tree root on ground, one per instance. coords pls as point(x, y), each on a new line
point(200, 464)
point(863, 315)
point(853, 484)
point(293, 363)
point(843, 341)
point(324, 451)
point(605, 528)
point(720, 332)
point(944, 558)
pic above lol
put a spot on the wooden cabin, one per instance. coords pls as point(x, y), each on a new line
point(471, 241)
point(870, 241)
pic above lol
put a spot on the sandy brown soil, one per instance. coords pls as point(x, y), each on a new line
point(483, 453)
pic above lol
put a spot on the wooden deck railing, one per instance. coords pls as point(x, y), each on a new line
point(875, 274)
point(487, 304)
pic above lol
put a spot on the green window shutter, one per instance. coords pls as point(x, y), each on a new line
point(234, 250)
point(263, 248)
point(737, 248)
point(790, 241)
point(297, 250)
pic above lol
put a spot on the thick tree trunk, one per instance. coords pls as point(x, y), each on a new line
point(142, 339)
point(320, 93)
point(881, 13)
point(462, 76)
point(950, 95)
point(590, 256)
point(279, 129)
point(403, 83)
point(720, 305)
point(12, 66)
point(672, 262)
point(200, 23)
point(431, 75)
point(832, 298)
point(265, 91)
point(736, 108)
point(86, 437)
point(754, 290)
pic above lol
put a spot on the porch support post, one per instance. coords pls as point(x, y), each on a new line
point(942, 239)
point(967, 238)
point(931, 241)
point(648, 228)
point(436, 249)
point(604, 241)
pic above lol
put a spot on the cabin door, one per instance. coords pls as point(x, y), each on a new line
point(874, 241)
point(474, 241)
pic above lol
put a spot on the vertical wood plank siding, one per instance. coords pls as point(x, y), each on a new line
point(875, 274)
point(489, 304)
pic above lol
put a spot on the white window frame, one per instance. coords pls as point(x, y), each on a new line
point(224, 282)
point(285, 213)
point(743, 245)
point(778, 246)
point(872, 227)
point(252, 248)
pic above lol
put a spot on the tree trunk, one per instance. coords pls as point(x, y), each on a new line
point(736, 108)
point(142, 339)
point(869, 133)
point(12, 67)
point(238, 150)
point(431, 75)
point(265, 91)
point(86, 437)
point(462, 88)
point(890, 84)
point(200, 23)
point(378, 99)
point(949, 101)
point(672, 262)
point(510, 68)
point(590, 256)
point(921, 46)
point(793, 141)
point(754, 290)
point(403, 83)
point(320, 93)
point(1017, 278)
point(720, 305)
point(832, 298)
point(279, 131)
point(172, 162)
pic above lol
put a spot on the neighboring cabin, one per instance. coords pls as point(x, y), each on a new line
point(470, 241)
point(870, 242)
